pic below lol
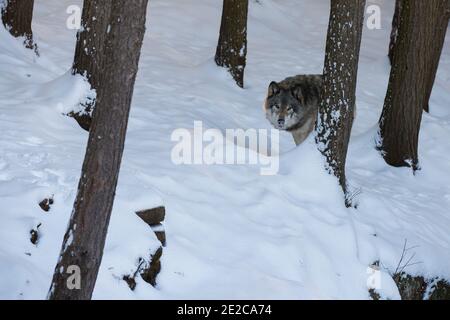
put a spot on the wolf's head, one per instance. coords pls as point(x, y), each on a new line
point(285, 108)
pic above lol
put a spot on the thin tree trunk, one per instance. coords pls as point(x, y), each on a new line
point(337, 104)
point(232, 47)
point(438, 45)
point(17, 16)
point(89, 51)
point(394, 31)
point(414, 65)
point(85, 237)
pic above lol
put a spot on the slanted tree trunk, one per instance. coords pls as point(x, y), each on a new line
point(232, 47)
point(394, 30)
point(337, 104)
point(414, 65)
point(89, 55)
point(85, 237)
point(17, 16)
point(439, 36)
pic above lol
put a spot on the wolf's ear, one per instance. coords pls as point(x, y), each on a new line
point(273, 89)
point(297, 93)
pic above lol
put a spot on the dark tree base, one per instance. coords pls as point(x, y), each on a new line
point(17, 17)
point(231, 50)
point(83, 120)
point(415, 61)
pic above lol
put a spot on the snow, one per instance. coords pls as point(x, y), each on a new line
point(231, 232)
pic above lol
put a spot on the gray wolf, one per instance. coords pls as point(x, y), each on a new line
point(292, 105)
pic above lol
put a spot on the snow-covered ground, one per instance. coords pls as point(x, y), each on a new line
point(231, 232)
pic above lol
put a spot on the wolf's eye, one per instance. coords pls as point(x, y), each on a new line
point(276, 107)
point(290, 109)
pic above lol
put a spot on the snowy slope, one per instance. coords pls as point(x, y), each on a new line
point(232, 233)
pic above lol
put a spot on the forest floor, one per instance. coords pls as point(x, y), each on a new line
point(231, 232)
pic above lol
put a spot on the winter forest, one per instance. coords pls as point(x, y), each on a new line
point(225, 149)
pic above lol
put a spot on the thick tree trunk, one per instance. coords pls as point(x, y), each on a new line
point(413, 67)
point(337, 105)
point(17, 16)
point(85, 237)
point(232, 47)
point(439, 36)
point(394, 31)
point(89, 55)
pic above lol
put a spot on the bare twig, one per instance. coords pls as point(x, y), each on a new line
point(402, 266)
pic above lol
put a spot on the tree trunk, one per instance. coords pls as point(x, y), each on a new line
point(337, 104)
point(89, 55)
point(17, 16)
point(232, 47)
point(413, 68)
point(394, 31)
point(85, 237)
point(439, 36)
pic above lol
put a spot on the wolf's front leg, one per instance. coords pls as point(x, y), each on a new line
point(303, 132)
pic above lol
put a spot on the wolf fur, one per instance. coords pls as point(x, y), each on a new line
point(292, 105)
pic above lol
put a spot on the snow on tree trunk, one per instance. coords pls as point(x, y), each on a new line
point(84, 240)
point(394, 31)
point(17, 16)
point(89, 55)
point(413, 69)
point(337, 104)
point(232, 47)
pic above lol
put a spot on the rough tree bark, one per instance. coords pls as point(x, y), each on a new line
point(232, 47)
point(413, 67)
point(394, 31)
point(89, 55)
point(85, 237)
point(439, 36)
point(17, 16)
point(337, 104)
point(440, 32)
